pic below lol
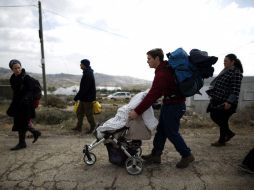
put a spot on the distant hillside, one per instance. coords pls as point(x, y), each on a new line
point(66, 80)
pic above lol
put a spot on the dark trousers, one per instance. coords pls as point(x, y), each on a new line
point(22, 137)
point(221, 118)
point(168, 128)
point(85, 109)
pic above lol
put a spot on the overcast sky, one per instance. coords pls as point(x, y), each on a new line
point(116, 34)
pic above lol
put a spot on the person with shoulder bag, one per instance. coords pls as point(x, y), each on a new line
point(22, 106)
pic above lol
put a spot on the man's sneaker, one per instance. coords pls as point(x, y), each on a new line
point(184, 162)
point(150, 158)
point(218, 144)
point(228, 137)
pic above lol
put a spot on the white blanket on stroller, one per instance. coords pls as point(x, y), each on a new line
point(122, 115)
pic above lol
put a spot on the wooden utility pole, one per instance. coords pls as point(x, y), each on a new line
point(42, 55)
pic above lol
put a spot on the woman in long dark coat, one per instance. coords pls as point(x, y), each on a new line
point(21, 108)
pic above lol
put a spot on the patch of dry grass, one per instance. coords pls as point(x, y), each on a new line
point(56, 101)
point(51, 116)
point(194, 120)
point(244, 117)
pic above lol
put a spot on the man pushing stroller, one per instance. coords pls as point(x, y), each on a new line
point(172, 110)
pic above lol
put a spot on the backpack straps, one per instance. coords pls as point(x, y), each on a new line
point(176, 93)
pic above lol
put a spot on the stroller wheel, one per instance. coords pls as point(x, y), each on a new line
point(90, 158)
point(134, 165)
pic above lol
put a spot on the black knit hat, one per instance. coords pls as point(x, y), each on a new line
point(13, 62)
point(85, 62)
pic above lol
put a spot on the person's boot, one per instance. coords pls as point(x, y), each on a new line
point(36, 133)
point(151, 158)
point(79, 125)
point(19, 146)
point(185, 161)
point(78, 128)
point(229, 136)
point(22, 142)
point(218, 144)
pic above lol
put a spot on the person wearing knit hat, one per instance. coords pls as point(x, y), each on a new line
point(86, 95)
point(21, 108)
point(85, 62)
point(13, 62)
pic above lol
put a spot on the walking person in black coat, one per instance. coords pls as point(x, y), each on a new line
point(22, 106)
point(224, 94)
point(86, 95)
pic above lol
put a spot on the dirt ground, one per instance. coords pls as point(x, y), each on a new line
point(55, 161)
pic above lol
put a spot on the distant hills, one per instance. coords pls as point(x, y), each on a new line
point(66, 80)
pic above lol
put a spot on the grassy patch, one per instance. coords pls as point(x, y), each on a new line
point(244, 117)
point(51, 116)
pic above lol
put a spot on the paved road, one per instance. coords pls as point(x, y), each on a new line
point(56, 162)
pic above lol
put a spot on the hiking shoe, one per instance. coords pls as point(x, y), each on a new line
point(36, 135)
point(150, 158)
point(184, 162)
point(218, 144)
point(91, 130)
point(79, 129)
point(19, 146)
point(228, 137)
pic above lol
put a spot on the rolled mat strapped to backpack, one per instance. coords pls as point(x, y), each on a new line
point(190, 71)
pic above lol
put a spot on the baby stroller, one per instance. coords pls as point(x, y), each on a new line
point(123, 146)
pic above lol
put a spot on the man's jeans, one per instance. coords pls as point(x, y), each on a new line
point(168, 127)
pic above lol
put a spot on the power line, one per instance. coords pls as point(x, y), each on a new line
point(85, 24)
point(55, 13)
point(78, 22)
point(14, 6)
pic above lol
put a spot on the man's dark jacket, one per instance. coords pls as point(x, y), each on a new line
point(87, 89)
